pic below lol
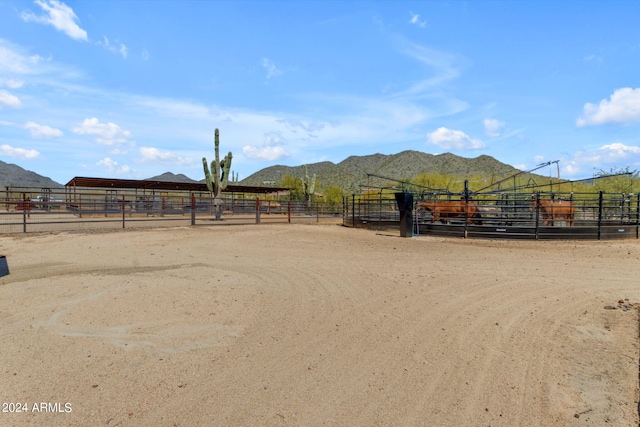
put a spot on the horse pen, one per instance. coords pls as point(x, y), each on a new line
point(26, 210)
point(495, 215)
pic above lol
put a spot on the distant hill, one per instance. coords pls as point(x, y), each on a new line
point(15, 176)
point(171, 177)
point(352, 172)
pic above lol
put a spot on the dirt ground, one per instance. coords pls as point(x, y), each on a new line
point(310, 325)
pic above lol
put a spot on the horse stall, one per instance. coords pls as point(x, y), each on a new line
point(508, 215)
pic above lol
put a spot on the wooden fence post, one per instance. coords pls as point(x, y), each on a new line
point(257, 210)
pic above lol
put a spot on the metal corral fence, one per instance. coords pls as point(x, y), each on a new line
point(371, 211)
point(35, 211)
point(597, 216)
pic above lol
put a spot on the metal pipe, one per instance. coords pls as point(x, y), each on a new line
point(599, 214)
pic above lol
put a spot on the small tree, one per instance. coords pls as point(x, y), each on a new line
point(333, 195)
point(294, 184)
point(623, 181)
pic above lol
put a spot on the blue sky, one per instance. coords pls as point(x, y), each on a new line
point(132, 89)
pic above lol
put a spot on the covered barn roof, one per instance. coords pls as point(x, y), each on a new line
point(149, 184)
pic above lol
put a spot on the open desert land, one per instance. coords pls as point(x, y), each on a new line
point(313, 325)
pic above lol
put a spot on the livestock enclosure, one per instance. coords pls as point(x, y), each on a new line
point(510, 215)
point(24, 210)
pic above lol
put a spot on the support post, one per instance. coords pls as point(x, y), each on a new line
point(537, 213)
point(25, 206)
point(599, 214)
point(257, 210)
point(353, 210)
point(193, 209)
point(123, 212)
point(466, 207)
point(289, 211)
point(638, 216)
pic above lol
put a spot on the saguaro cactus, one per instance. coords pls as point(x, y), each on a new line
point(308, 185)
point(218, 178)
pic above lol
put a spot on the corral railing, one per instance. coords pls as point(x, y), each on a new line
point(379, 211)
point(508, 215)
point(36, 211)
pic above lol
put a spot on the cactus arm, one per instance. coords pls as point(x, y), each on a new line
point(308, 184)
point(216, 168)
point(225, 165)
point(207, 174)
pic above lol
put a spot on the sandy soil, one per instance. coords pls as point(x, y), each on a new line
point(316, 325)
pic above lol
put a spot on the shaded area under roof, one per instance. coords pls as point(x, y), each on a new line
point(147, 184)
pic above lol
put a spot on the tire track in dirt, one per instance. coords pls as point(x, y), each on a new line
point(335, 327)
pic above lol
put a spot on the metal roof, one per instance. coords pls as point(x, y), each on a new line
point(147, 184)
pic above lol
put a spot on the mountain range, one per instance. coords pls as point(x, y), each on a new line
point(357, 171)
point(14, 176)
point(350, 174)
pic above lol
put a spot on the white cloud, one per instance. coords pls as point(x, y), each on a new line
point(449, 139)
point(264, 153)
point(623, 107)
point(618, 150)
point(18, 153)
point(441, 63)
point(113, 167)
point(11, 83)
point(415, 19)
point(58, 15)
point(16, 60)
point(10, 61)
point(271, 147)
point(9, 100)
point(117, 48)
point(610, 156)
point(42, 131)
point(311, 127)
point(105, 133)
point(145, 55)
point(150, 154)
point(175, 108)
point(272, 139)
point(592, 57)
point(493, 127)
point(270, 66)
